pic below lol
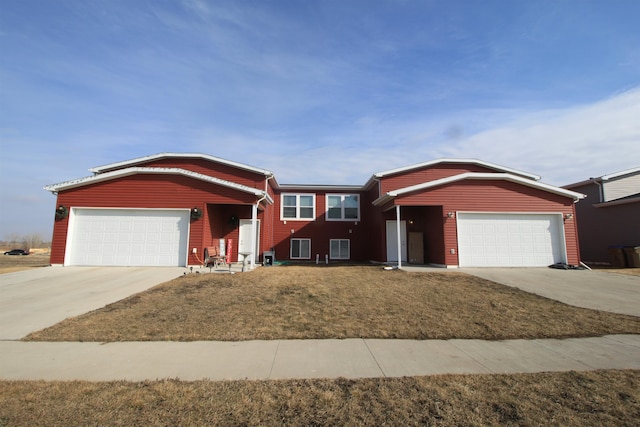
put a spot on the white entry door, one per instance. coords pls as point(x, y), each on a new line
point(392, 241)
point(244, 240)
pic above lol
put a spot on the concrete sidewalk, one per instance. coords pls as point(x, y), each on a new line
point(282, 359)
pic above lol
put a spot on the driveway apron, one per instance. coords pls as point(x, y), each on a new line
point(616, 293)
point(35, 299)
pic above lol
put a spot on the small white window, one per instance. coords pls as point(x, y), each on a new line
point(300, 248)
point(343, 207)
point(298, 206)
point(339, 249)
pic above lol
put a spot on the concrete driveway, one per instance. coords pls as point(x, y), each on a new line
point(35, 299)
point(617, 293)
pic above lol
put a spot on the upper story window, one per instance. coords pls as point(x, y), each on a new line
point(298, 206)
point(343, 207)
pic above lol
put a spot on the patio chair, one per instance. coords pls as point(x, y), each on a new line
point(212, 257)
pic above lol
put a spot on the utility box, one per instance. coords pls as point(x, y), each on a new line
point(617, 256)
point(633, 256)
point(268, 258)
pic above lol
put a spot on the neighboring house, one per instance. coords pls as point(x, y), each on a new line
point(164, 209)
point(610, 216)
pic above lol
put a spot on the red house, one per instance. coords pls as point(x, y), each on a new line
point(164, 209)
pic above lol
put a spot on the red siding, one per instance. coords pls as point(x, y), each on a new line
point(320, 231)
point(492, 196)
point(149, 191)
point(430, 173)
point(209, 168)
point(374, 226)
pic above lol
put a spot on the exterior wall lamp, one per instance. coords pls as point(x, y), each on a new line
point(196, 213)
point(62, 212)
point(568, 216)
point(451, 215)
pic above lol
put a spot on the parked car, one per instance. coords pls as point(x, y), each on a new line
point(17, 252)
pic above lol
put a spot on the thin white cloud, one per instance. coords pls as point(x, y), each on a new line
point(564, 145)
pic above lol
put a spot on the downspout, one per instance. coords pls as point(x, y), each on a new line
point(600, 189)
point(398, 236)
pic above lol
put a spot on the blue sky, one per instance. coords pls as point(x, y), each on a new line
point(316, 91)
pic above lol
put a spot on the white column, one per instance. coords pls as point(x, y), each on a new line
point(254, 220)
point(398, 236)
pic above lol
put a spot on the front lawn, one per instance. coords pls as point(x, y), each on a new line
point(298, 302)
point(600, 398)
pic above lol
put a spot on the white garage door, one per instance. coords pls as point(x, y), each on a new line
point(128, 237)
point(510, 240)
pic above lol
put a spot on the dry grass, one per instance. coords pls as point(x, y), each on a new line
point(335, 302)
point(12, 263)
point(601, 398)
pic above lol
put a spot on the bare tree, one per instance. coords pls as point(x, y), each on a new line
point(30, 241)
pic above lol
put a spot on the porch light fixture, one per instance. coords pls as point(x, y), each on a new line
point(451, 215)
point(196, 213)
point(568, 216)
point(62, 212)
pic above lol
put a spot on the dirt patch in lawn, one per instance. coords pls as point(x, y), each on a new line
point(573, 398)
point(334, 302)
point(12, 263)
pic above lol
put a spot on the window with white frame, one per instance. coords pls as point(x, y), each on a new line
point(343, 207)
point(300, 248)
point(339, 249)
point(298, 206)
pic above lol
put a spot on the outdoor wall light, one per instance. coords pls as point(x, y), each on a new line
point(451, 214)
point(568, 216)
point(196, 213)
point(62, 212)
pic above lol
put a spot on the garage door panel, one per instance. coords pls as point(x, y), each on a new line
point(510, 240)
point(129, 237)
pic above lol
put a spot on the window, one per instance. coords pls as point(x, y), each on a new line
point(300, 248)
point(343, 207)
point(298, 206)
point(339, 249)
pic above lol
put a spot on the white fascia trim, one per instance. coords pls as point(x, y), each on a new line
point(162, 171)
point(447, 160)
point(619, 174)
point(479, 176)
point(603, 178)
point(117, 165)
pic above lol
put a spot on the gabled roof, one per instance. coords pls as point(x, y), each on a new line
point(467, 161)
point(319, 187)
point(119, 173)
point(604, 177)
point(619, 174)
point(478, 176)
point(145, 159)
